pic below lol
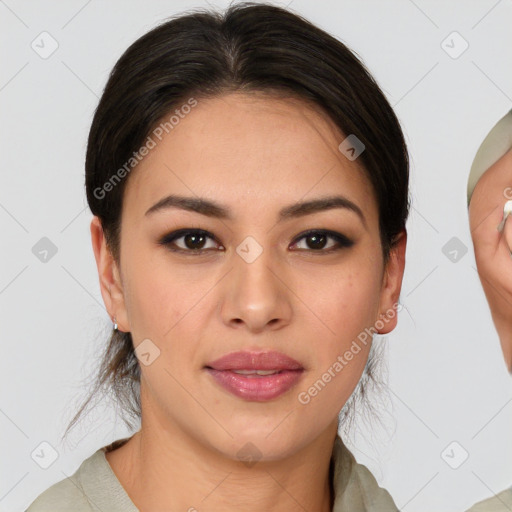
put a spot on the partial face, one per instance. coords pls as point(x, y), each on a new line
point(252, 272)
point(492, 248)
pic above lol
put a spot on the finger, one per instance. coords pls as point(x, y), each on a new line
point(507, 235)
point(507, 210)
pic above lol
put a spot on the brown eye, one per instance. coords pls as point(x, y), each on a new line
point(194, 241)
point(188, 240)
point(318, 240)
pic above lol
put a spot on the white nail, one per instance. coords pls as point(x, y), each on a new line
point(507, 210)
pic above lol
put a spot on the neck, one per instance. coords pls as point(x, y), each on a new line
point(161, 467)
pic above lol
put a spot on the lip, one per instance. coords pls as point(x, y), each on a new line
point(246, 360)
point(255, 387)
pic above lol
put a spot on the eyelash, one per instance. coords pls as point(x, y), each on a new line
point(342, 241)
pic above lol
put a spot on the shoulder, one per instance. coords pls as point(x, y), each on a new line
point(500, 503)
point(356, 489)
point(65, 495)
point(375, 497)
point(92, 487)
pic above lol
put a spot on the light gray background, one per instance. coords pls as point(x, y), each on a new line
point(447, 377)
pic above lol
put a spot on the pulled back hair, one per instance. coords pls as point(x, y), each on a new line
point(251, 47)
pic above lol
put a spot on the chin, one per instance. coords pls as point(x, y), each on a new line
point(254, 443)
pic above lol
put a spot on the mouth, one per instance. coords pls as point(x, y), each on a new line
point(256, 373)
point(256, 376)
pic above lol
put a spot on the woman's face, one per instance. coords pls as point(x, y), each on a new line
point(251, 280)
point(493, 249)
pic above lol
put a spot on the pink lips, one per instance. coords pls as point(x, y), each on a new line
point(251, 386)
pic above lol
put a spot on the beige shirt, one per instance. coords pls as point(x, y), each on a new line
point(497, 142)
point(94, 487)
point(502, 502)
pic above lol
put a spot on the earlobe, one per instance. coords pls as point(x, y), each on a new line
point(110, 283)
point(392, 285)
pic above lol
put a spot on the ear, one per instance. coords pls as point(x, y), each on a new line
point(391, 285)
point(110, 281)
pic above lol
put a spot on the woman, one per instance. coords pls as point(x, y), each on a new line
point(489, 193)
point(249, 186)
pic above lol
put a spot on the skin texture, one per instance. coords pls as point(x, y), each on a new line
point(254, 154)
point(492, 249)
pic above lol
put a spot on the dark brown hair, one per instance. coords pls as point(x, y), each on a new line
point(251, 47)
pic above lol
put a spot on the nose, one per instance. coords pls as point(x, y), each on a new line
point(256, 295)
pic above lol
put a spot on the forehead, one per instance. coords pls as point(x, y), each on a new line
point(239, 148)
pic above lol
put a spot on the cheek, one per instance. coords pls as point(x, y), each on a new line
point(345, 299)
point(352, 311)
point(341, 354)
point(347, 302)
point(159, 297)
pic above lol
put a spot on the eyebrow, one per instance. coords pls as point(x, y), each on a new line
point(213, 209)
